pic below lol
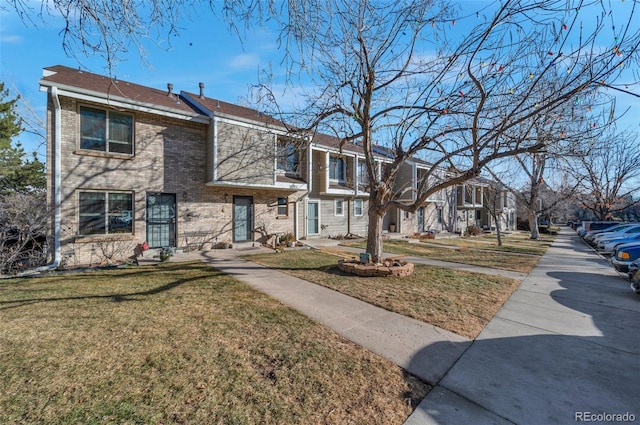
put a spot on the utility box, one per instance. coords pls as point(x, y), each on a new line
point(365, 258)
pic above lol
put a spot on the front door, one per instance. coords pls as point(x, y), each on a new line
point(420, 220)
point(242, 218)
point(161, 220)
point(313, 218)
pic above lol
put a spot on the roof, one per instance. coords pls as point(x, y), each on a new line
point(83, 82)
point(335, 143)
point(217, 106)
point(75, 80)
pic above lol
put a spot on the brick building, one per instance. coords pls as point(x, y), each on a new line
point(129, 164)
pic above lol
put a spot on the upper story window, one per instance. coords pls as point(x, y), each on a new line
point(101, 213)
point(363, 177)
point(337, 168)
point(468, 195)
point(106, 131)
point(288, 157)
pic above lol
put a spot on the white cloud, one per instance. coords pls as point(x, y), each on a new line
point(10, 38)
point(244, 61)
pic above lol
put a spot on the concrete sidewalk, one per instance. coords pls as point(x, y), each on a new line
point(422, 349)
point(564, 348)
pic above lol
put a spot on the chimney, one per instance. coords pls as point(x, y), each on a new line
point(201, 85)
point(169, 89)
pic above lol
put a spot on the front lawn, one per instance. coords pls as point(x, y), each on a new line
point(459, 301)
point(517, 243)
point(181, 343)
point(459, 252)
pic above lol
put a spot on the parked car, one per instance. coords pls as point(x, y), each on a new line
point(624, 257)
point(634, 276)
point(627, 231)
point(607, 245)
point(588, 226)
point(633, 269)
point(623, 246)
point(591, 235)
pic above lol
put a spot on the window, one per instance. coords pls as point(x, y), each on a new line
point(439, 212)
point(337, 169)
point(363, 178)
point(339, 204)
point(468, 195)
point(106, 131)
point(283, 208)
point(103, 213)
point(288, 157)
point(357, 207)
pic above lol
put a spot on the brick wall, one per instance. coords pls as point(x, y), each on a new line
point(170, 156)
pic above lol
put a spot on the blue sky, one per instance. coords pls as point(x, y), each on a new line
point(204, 52)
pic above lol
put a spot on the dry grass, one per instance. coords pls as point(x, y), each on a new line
point(181, 343)
point(458, 301)
point(517, 243)
point(461, 252)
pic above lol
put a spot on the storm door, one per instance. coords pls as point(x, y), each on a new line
point(161, 220)
point(420, 219)
point(313, 218)
point(242, 218)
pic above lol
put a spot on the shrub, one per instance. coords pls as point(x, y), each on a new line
point(473, 231)
point(286, 238)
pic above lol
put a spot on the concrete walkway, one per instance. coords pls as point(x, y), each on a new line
point(566, 343)
point(564, 347)
point(400, 339)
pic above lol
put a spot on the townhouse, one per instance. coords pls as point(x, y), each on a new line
point(484, 204)
point(129, 165)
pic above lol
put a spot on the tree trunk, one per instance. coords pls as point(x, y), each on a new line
point(533, 225)
point(374, 235)
point(498, 232)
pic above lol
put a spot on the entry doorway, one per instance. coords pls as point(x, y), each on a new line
point(420, 218)
point(313, 217)
point(161, 219)
point(242, 218)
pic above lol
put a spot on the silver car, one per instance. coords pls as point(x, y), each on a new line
point(620, 232)
point(606, 245)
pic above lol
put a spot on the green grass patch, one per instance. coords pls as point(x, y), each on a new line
point(459, 301)
point(181, 343)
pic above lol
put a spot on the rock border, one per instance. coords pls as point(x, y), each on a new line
point(388, 268)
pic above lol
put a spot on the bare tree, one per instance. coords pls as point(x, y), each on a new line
point(534, 178)
point(110, 28)
point(23, 229)
point(472, 101)
point(401, 75)
point(607, 175)
point(494, 204)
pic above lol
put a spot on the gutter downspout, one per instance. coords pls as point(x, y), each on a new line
point(57, 178)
